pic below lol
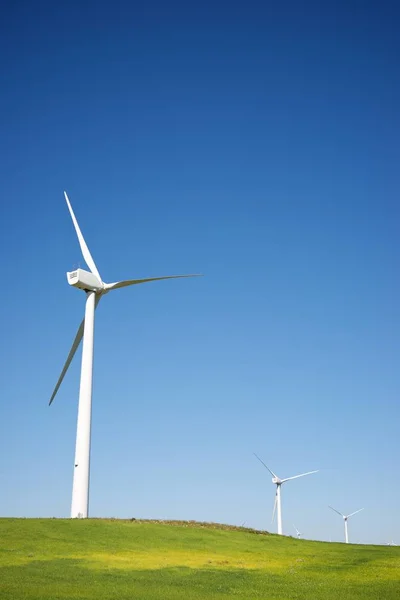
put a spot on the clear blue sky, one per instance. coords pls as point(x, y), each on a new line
point(257, 143)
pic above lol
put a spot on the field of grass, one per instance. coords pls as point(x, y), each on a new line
point(57, 559)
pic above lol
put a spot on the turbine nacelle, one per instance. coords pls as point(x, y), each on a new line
point(276, 480)
point(84, 280)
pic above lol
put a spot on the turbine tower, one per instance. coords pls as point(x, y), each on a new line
point(345, 517)
point(95, 288)
point(278, 482)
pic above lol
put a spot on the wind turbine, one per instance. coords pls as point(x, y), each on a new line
point(345, 517)
point(298, 533)
point(278, 482)
point(95, 288)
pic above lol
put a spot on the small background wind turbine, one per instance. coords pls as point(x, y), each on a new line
point(298, 533)
point(345, 517)
point(278, 482)
point(95, 288)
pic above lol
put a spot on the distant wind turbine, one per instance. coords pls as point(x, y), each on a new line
point(95, 288)
point(298, 533)
point(278, 482)
point(345, 517)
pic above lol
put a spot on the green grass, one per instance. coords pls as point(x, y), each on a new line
point(55, 559)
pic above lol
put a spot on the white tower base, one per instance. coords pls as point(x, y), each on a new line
point(279, 509)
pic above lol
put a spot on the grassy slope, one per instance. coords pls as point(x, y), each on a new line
point(45, 559)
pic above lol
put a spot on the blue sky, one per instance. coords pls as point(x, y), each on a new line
point(257, 144)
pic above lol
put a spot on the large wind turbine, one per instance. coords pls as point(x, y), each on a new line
point(345, 517)
point(278, 482)
point(95, 288)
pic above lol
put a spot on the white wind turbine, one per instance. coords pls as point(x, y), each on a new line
point(345, 517)
point(278, 482)
point(95, 288)
point(298, 533)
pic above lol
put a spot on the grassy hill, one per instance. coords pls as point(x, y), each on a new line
point(54, 559)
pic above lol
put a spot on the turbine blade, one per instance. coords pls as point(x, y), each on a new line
point(336, 511)
point(71, 355)
point(74, 348)
point(85, 250)
point(275, 503)
point(354, 513)
point(296, 476)
point(263, 463)
point(125, 283)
